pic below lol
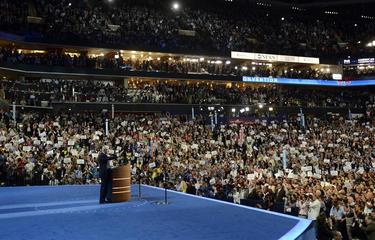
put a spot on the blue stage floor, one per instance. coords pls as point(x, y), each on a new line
point(73, 213)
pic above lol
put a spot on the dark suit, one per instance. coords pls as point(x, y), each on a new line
point(323, 231)
point(370, 231)
point(104, 175)
point(280, 194)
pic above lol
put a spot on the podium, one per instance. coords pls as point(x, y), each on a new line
point(121, 183)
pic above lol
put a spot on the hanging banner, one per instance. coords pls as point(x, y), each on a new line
point(274, 57)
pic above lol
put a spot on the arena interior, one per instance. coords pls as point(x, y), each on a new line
point(187, 119)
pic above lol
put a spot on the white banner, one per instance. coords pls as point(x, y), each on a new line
point(274, 58)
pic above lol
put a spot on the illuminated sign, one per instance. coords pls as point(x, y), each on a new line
point(359, 61)
point(311, 82)
point(337, 76)
point(366, 60)
point(274, 58)
point(260, 79)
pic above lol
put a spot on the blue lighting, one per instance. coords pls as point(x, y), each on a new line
point(311, 82)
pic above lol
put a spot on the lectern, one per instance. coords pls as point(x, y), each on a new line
point(121, 182)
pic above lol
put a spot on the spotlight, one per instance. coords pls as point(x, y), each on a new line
point(233, 110)
point(247, 109)
point(260, 105)
point(270, 109)
point(175, 6)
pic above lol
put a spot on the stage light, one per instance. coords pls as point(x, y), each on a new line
point(270, 109)
point(371, 44)
point(260, 106)
point(233, 110)
point(227, 62)
point(176, 6)
point(247, 109)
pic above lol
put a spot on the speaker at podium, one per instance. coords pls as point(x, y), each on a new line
point(121, 183)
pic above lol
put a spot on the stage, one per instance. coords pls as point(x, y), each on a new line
point(73, 212)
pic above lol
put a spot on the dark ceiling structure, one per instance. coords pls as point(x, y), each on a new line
point(306, 3)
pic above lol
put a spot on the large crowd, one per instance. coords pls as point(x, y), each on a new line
point(314, 167)
point(323, 171)
point(35, 92)
point(11, 55)
point(153, 27)
point(359, 72)
point(13, 13)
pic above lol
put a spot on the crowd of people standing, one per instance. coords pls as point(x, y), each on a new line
point(25, 92)
point(323, 172)
point(181, 65)
point(143, 26)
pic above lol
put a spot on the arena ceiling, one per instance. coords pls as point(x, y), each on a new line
point(322, 2)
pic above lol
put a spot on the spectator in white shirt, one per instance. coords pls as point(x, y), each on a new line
point(302, 206)
point(313, 207)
